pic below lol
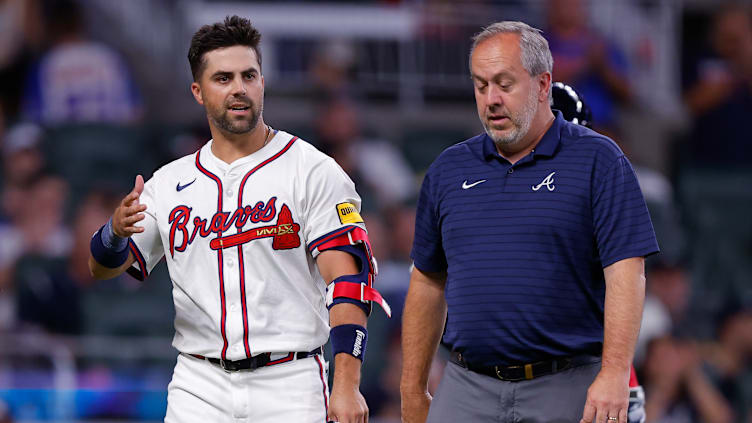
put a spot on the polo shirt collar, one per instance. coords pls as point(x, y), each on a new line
point(550, 141)
point(489, 148)
point(546, 147)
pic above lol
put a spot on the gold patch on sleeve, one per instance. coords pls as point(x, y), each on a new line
point(347, 213)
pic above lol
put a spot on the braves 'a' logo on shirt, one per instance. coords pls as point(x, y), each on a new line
point(285, 231)
point(548, 183)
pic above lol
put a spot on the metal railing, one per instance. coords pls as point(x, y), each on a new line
point(57, 363)
point(408, 53)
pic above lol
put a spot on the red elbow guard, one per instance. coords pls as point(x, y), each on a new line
point(357, 289)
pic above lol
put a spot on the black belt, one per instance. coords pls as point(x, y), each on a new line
point(261, 360)
point(525, 371)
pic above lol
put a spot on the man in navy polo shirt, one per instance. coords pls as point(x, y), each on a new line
point(529, 246)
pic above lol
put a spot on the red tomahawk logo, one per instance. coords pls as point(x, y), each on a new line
point(285, 234)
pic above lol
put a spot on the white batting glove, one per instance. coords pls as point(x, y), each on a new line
point(636, 410)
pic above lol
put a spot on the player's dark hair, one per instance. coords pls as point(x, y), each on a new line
point(234, 31)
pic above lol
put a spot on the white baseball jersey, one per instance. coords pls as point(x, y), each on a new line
point(240, 241)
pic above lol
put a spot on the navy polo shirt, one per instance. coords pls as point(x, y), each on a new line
point(524, 245)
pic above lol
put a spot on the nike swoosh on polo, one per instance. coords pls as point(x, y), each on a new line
point(465, 185)
point(182, 187)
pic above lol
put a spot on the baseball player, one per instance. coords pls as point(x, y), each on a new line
point(573, 108)
point(261, 234)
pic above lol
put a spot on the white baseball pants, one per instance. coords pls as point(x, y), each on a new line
point(202, 392)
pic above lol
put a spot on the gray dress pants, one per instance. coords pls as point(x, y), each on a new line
point(464, 396)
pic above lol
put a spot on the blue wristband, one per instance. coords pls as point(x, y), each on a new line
point(350, 339)
point(109, 256)
point(112, 241)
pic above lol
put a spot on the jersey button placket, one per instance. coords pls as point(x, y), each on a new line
point(506, 172)
point(231, 182)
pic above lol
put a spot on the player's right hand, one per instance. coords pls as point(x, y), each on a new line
point(129, 212)
point(415, 406)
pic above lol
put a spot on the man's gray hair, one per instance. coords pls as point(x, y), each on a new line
point(536, 55)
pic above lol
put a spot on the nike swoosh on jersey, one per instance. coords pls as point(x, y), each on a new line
point(465, 185)
point(180, 188)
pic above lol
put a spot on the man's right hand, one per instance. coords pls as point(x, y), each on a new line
point(415, 406)
point(129, 212)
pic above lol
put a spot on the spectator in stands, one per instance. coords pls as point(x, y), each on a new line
point(664, 212)
point(22, 162)
point(35, 227)
point(391, 233)
point(22, 155)
point(381, 175)
point(78, 80)
point(729, 358)
point(587, 60)
point(49, 289)
point(21, 36)
point(331, 69)
point(668, 291)
point(719, 96)
point(677, 388)
point(42, 224)
point(394, 262)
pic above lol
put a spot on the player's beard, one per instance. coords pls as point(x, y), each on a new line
point(237, 125)
point(521, 122)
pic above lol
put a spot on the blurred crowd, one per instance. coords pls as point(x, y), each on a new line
point(75, 129)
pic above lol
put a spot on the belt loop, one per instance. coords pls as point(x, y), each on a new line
point(528, 371)
point(554, 366)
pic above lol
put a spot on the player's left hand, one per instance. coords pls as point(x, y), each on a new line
point(347, 405)
point(636, 412)
point(608, 396)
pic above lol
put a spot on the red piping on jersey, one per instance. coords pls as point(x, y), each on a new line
point(139, 258)
point(241, 264)
point(220, 262)
point(323, 382)
point(241, 269)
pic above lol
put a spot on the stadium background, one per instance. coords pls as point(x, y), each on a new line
point(94, 91)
